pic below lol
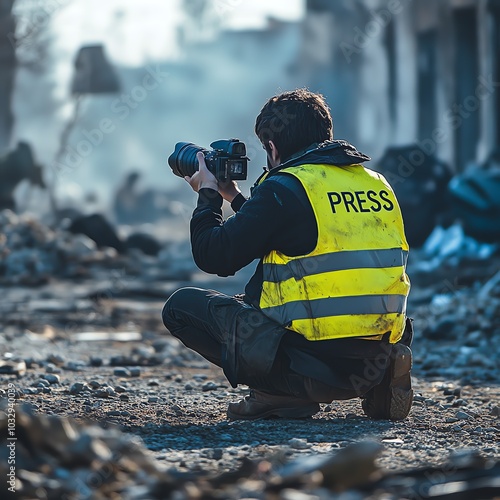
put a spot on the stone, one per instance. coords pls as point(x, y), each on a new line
point(13, 368)
point(462, 415)
point(101, 393)
point(78, 387)
point(95, 361)
point(74, 366)
point(120, 388)
point(153, 399)
point(209, 386)
point(51, 378)
point(121, 372)
point(135, 372)
point(298, 444)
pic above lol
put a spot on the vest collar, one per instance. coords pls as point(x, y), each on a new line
point(335, 152)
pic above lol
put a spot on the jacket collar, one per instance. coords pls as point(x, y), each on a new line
point(335, 152)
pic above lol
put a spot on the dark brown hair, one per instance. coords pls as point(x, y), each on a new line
point(293, 121)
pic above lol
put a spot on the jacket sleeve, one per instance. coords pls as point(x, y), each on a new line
point(237, 203)
point(224, 247)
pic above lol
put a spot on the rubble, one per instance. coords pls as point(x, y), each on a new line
point(60, 458)
point(32, 254)
point(463, 325)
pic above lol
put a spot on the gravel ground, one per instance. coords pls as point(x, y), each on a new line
point(140, 378)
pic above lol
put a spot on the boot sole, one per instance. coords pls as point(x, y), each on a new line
point(401, 391)
point(398, 395)
point(300, 412)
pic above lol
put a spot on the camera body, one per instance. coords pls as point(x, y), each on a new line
point(227, 160)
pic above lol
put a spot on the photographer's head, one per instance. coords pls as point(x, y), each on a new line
point(291, 121)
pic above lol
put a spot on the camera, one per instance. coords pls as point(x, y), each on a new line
point(227, 160)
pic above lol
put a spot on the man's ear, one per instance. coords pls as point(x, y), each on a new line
point(275, 155)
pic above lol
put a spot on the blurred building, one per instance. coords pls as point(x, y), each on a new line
point(405, 71)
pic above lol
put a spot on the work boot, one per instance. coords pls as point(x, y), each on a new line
point(261, 405)
point(393, 397)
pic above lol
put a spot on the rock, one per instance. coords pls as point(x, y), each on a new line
point(96, 362)
point(78, 387)
point(495, 411)
point(135, 372)
point(209, 386)
point(299, 444)
point(41, 383)
point(461, 415)
point(51, 378)
point(188, 387)
point(121, 372)
point(51, 368)
point(74, 366)
point(120, 388)
point(94, 384)
point(101, 393)
point(13, 368)
point(153, 399)
point(217, 453)
point(110, 391)
point(453, 392)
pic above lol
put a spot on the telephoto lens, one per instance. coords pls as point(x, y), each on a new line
point(183, 161)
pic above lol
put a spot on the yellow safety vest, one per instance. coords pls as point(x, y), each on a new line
point(353, 284)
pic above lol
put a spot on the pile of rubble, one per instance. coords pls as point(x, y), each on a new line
point(462, 328)
point(57, 458)
point(32, 253)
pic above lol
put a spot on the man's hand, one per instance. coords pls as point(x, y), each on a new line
point(203, 178)
point(229, 190)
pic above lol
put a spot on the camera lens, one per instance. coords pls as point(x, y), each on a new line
point(183, 160)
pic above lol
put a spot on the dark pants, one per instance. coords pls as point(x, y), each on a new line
point(244, 342)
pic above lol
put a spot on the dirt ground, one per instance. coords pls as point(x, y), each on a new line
point(97, 351)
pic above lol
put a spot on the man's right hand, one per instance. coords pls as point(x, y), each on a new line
point(229, 190)
point(203, 178)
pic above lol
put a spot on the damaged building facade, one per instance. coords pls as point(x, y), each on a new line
point(408, 71)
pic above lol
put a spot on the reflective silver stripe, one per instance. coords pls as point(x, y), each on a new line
point(335, 261)
point(337, 306)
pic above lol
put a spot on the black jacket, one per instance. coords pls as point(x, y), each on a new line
point(278, 216)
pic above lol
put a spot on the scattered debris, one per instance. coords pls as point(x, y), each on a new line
point(475, 195)
point(32, 253)
point(60, 458)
